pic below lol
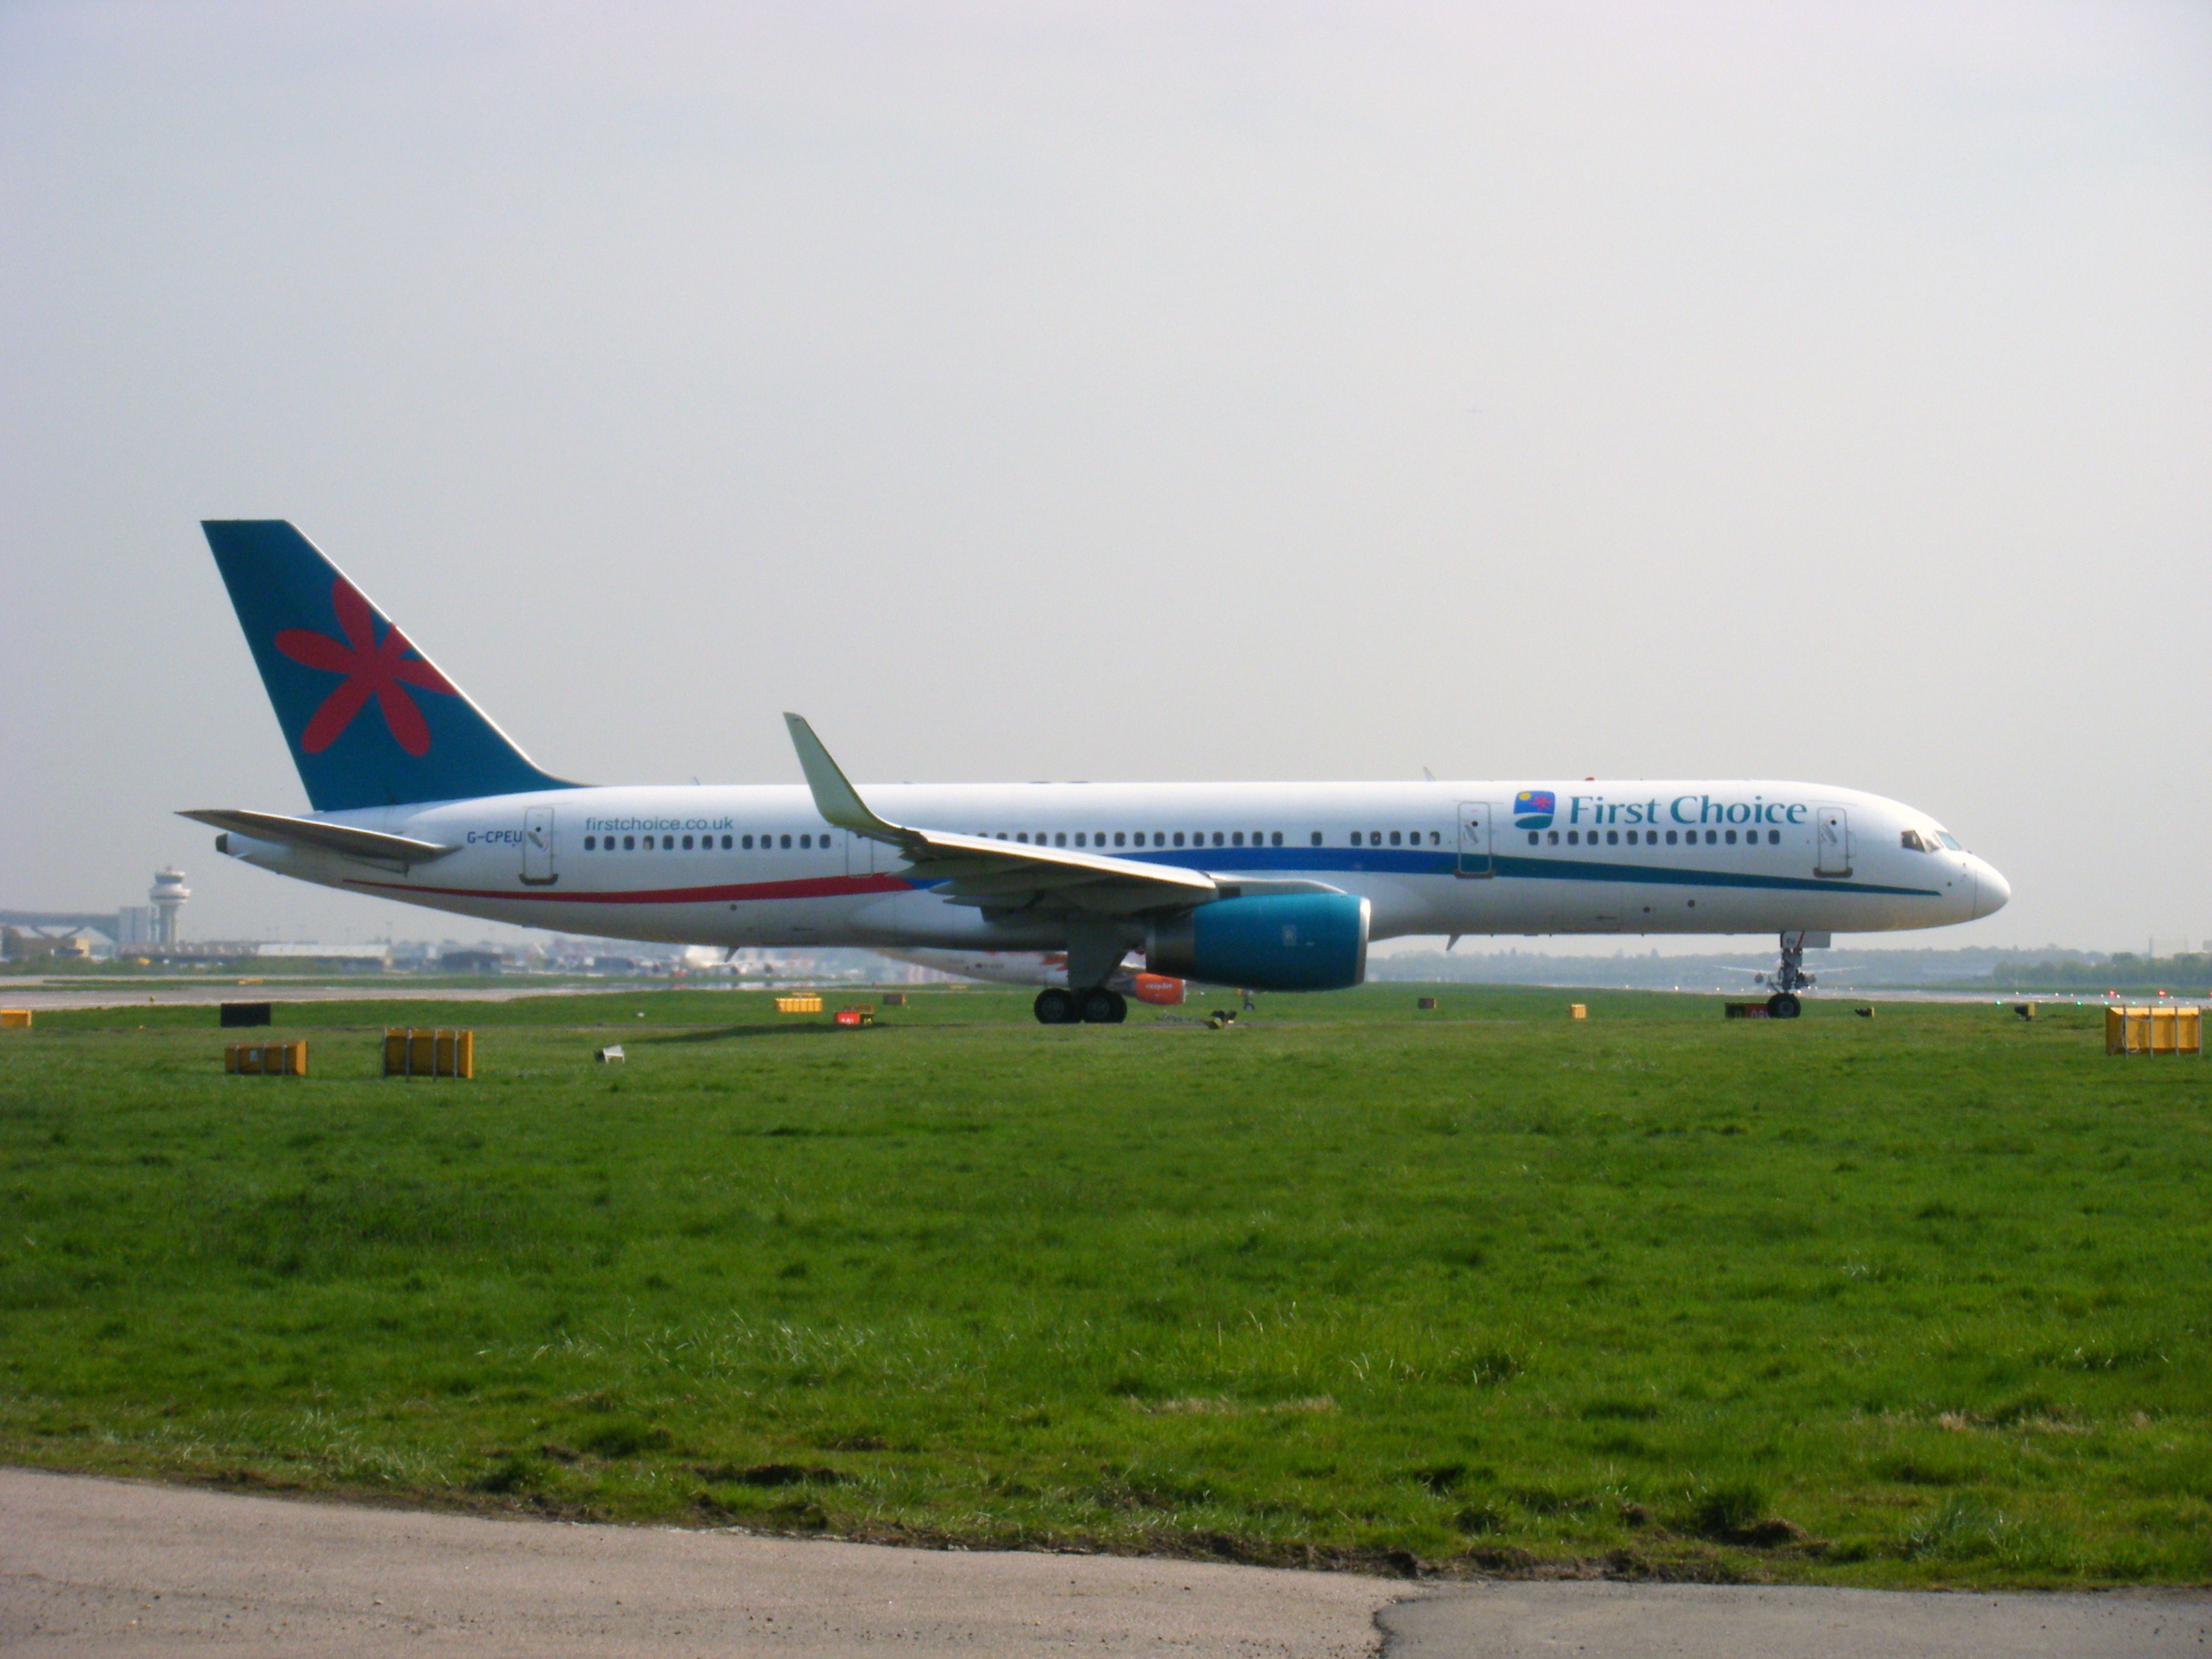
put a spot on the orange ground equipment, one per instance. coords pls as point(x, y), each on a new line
point(2154, 1031)
point(428, 1052)
point(265, 1059)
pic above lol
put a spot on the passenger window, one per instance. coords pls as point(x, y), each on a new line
point(629, 842)
point(1731, 837)
point(1774, 838)
point(1236, 838)
point(1278, 841)
point(589, 844)
point(687, 843)
point(1552, 837)
point(1117, 836)
point(746, 842)
point(726, 843)
point(1217, 838)
point(1394, 838)
point(1613, 838)
point(1060, 838)
point(1535, 838)
point(668, 843)
point(1574, 837)
point(1355, 838)
point(787, 842)
point(1178, 837)
point(1712, 837)
point(1316, 837)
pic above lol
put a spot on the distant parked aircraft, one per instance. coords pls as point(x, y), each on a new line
point(415, 794)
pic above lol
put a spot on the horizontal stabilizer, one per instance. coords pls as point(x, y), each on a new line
point(369, 844)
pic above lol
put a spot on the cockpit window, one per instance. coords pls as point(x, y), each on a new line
point(1911, 840)
point(1949, 841)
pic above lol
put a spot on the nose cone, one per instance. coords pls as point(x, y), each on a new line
point(1992, 892)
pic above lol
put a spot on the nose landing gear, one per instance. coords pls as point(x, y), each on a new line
point(1790, 977)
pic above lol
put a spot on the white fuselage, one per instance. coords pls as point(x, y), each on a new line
point(758, 865)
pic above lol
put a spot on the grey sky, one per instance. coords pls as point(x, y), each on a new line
point(1171, 391)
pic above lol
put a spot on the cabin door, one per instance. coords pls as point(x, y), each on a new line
point(538, 848)
point(863, 856)
point(1474, 820)
point(1831, 840)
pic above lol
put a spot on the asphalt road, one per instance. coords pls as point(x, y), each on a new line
point(92, 1566)
point(1715, 1621)
point(34, 995)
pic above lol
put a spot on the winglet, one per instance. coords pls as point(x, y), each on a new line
point(835, 798)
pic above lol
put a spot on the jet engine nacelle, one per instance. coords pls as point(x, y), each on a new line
point(1157, 989)
point(1266, 942)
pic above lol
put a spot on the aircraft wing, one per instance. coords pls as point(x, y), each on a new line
point(370, 845)
point(994, 874)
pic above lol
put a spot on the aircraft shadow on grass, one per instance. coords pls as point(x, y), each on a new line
point(727, 1033)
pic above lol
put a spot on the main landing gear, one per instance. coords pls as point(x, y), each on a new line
point(1790, 978)
point(1097, 1006)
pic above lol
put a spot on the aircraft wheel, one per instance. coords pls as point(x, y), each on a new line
point(1120, 1007)
point(1054, 1006)
point(1097, 1006)
point(1782, 1005)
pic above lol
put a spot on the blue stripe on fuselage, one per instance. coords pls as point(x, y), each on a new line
point(1421, 861)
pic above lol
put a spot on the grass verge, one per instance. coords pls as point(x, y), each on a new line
point(1912, 1300)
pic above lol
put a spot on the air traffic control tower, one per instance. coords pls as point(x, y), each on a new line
point(168, 894)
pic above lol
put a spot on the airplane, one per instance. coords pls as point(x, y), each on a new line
point(413, 794)
point(1041, 968)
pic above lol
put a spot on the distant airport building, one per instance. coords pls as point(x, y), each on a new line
point(472, 962)
point(37, 944)
point(134, 925)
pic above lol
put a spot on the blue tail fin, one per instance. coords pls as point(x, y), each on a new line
point(370, 722)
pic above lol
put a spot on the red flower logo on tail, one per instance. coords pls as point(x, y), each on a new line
point(371, 669)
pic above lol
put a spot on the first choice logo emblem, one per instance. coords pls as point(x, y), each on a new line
point(1533, 808)
point(373, 668)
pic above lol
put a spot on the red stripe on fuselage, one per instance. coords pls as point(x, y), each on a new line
point(819, 887)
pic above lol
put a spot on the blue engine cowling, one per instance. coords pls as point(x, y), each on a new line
point(1267, 942)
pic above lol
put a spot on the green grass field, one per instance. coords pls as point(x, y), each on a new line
point(1919, 1299)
